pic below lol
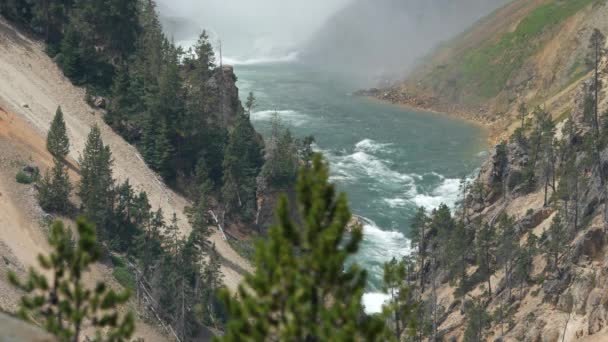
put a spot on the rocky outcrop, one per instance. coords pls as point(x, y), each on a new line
point(590, 244)
point(222, 85)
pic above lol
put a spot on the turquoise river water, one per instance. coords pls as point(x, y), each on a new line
point(389, 160)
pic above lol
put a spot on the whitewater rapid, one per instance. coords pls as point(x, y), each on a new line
point(371, 159)
point(388, 160)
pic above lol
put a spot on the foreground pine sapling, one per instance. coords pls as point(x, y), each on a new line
point(62, 304)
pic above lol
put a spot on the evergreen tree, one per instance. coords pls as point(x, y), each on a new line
point(149, 242)
point(120, 107)
point(401, 304)
point(301, 289)
point(524, 264)
point(441, 229)
point(478, 320)
point(198, 216)
point(418, 237)
point(555, 242)
point(507, 250)
point(250, 104)
point(500, 163)
point(71, 56)
point(242, 163)
point(63, 305)
point(458, 250)
point(597, 49)
point(485, 244)
point(213, 280)
point(281, 156)
point(54, 189)
point(57, 142)
point(127, 217)
point(96, 183)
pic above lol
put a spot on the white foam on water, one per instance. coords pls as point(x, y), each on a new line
point(447, 193)
point(362, 164)
point(396, 202)
point(369, 145)
point(373, 302)
point(292, 117)
point(383, 245)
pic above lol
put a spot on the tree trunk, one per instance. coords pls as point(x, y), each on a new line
point(489, 280)
point(546, 188)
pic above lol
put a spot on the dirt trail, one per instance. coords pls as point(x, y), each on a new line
point(32, 87)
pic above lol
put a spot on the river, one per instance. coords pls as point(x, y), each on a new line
point(389, 160)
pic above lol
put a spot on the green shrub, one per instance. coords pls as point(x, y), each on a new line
point(25, 178)
point(118, 261)
point(124, 277)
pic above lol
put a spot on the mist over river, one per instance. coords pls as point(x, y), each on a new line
point(388, 160)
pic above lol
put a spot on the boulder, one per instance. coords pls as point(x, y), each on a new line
point(99, 102)
point(355, 221)
point(553, 288)
point(590, 244)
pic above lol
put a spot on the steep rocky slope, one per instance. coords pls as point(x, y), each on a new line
point(529, 51)
point(569, 305)
point(485, 75)
point(33, 86)
point(22, 222)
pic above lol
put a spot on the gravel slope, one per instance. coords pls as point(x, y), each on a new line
point(32, 87)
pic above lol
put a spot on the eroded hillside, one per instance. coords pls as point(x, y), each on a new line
point(527, 51)
point(31, 88)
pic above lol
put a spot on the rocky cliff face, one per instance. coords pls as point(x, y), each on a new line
point(222, 85)
point(567, 305)
point(570, 303)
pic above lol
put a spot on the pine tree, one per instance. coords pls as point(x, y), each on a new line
point(149, 243)
point(71, 55)
point(96, 182)
point(281, 156)
point(555, 242)
point(524, 264)
point(198, 217)
point(418, 237)
point(172, 236)
point(301, 289)
point(242, 163)
point(597, 49)
point(57, 142)
point(485, 244)
point(250, 104)
point(507, 249)
point(213, 281)
point(478, 320)
point(500, 163)
point(458, 250)
point(63, 305)
point(401, 303)
point(120, 108)
point(54, 189)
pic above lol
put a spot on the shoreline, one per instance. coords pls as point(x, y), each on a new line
point(489, 128)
